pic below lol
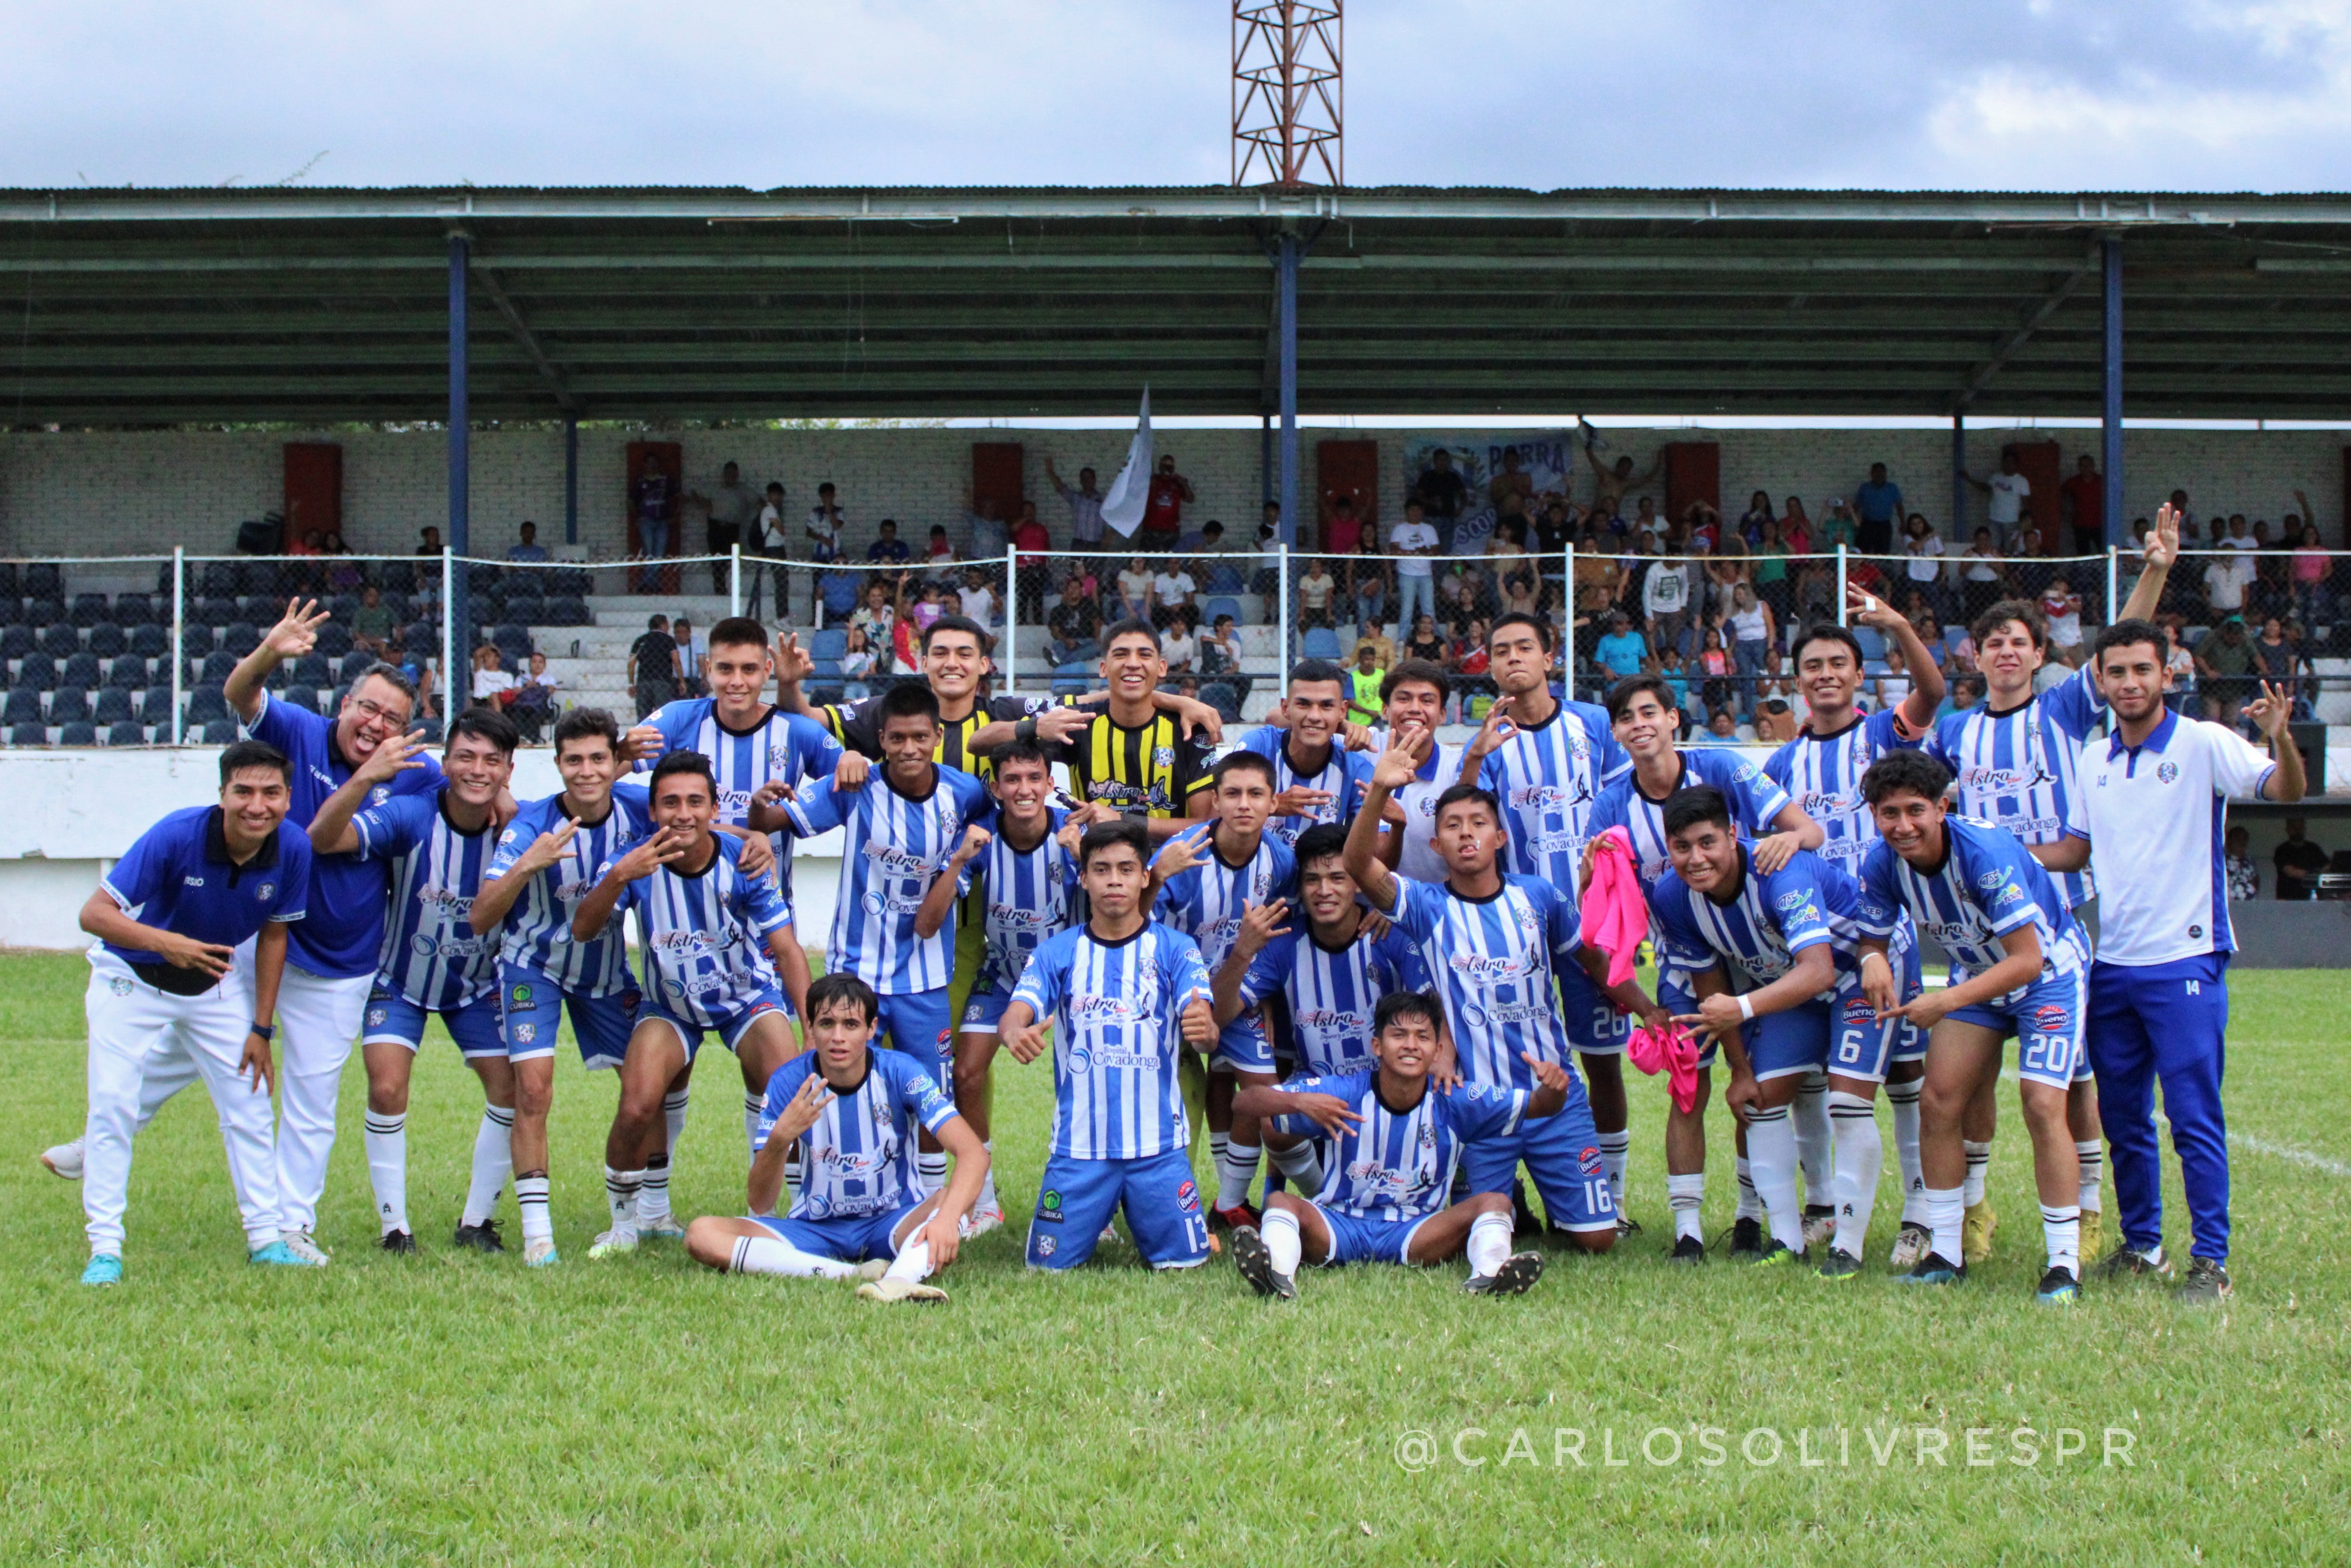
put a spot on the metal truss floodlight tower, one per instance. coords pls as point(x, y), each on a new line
point(1288, 102)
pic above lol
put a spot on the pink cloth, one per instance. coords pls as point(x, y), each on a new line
point(1616, 915)
point(1670, 1050)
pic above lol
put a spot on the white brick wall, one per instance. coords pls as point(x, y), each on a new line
point(137, 493)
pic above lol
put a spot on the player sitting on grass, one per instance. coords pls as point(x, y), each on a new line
point(1395, 1138)
point(861, 1212)
point(433, 964)
point(712, 933)
point(1772, 958)
point(2018, 966)
point(1127, 997)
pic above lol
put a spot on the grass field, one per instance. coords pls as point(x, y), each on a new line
point(452, 1408)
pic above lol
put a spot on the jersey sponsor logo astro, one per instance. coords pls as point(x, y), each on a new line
point(1330, 1018)
point(1487, 969)
point(1789, 903)
point(1550, 796)
point(1993, 780)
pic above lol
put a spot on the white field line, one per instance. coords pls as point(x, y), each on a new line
point(2338, 1169)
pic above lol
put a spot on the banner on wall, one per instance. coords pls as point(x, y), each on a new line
point(1535, 464)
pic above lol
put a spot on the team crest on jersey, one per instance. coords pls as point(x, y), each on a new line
point(524, 1033)
point(118, 985)
point(1165, 757)
point(378, 794)
point(376, 1017)
point(1587, 1159)
point(266, 892)
point(1080, 1059)
point(1046, 1244)
point(2168, 771)
point(778, 756)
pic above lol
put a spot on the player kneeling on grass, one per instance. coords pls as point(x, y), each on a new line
point(854, 1112)
point(1395, 1139)
point(2019, 967)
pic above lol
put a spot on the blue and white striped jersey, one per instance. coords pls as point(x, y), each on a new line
point(1986, 887)
point(860, 1156)
point(1117, 1009)
point(1755, 937)
point(1754, 799)
point(896, 847)
point(431, 956)
point(1333, 994)
point(2016, 768)
point(1821, 773)
point(1399, 1165)
point(538, 931)
point(1342, 776)
point(1026, 896)
point(786, 746)
point(706, 934)
point(1496, 961)
point(1206, 901)
point(1548, 778)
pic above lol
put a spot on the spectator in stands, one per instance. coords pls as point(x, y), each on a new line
point(1456, 604)
point(692, 658)
point(1758, 513)
point(1029, 543)
point(527, 545)
point(2083, 500)
point(1838, 529)
point(1470, 655)
point(877, 615)
point(1212, 539)
point(1425, 642)
point(2300, 863)
point(1085, 507)
point(2060, 606)
point(1714, 671)
point(653, 666)
point(1364, 678)
point(533, 700)
point(977, 598)
point(1923, 568)
point(371, 623)
point(887, 547)
point(1382, 646)
point(1930, 631)
point(1775, 721)
point(1721, 725)
point(1621, 650)
point(1981, 584)
point(1795, 527)
point(1343, 530)
point(1771, 578)
point(491, 686)
point(2280, 657)
point(1441, 491)
point(1315, 591)
point(428, 540)
point(734, 512)
point(824, 524)
point(1220, 650)
point(1892, 688)
point(2178, 664)
point(2311, 605)
point(2227, 577)
point(1665, 601)
point(1074, 626)
point(1178, 646)
point(2224, 665)
point(2007, 491)
point(858, 661)
point(1644, 522)
point(938, 550)
point(1369, 585)
point(771, 544)
point(1754, 631)
point(652, 501)
point(1725, 574)
point(1611, 483)
point(1163, 509)
point(1672, 671)
point(1964, 693)
point(2244, 878)
point(1555, 526)
point(1877, 507)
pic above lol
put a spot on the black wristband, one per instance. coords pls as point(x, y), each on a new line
point(1026, 731)
point(267, 1031)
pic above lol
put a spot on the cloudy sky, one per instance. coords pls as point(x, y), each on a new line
point(2065, 94)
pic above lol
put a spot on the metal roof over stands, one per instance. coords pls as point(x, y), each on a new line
point(159, 306)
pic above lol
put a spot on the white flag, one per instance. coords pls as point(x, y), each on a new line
point(1122, 502)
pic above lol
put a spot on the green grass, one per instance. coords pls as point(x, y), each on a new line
point(452, 1408)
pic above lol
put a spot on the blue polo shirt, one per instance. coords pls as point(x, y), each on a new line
point(179, 878)
point(342, 935)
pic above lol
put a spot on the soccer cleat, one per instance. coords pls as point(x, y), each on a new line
point(539, 1253)
point(398, 1241)
point(1746, 1240)
point(984, 1221)
point(2059, 1288)
point(104, 1269)
point(1914, 1243)
point(2127, 1263)
point(1240, 1216)
point(1109, 1237)
point(63, 1160)
point(913, 1290)
point(1777, 1254)
point(1516, 1277)
point(1687, 1250)
point(873, 1267)
point(2092, 1232)
point(1975, 1232)
point(304, 1248)
point(482, 1237)
point(659, 1228)
point(613, 1242)
point(1820, 1225)
point(1840, 1266)
point(1935, 1268)
point(277, 1254)
point(2207, 1284)
point(1255, 1262)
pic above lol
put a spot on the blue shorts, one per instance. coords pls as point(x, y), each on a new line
point(1910, 979)
point(919, 1024)
point(1244, 1045)
point(1355, 1241)
point(535, 1007)
point(396, 1020)
point(984, 1011)
point(850, 1240)
point(2045, 1017)
point(1562, 1153)
point(1594, 1027)
point(1793, 1042)
point(730, 1022)
point(1077, 1198)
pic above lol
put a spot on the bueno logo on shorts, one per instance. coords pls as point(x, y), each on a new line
point(1587, 1159)
point(2051, 1018)
point(1187, 1197)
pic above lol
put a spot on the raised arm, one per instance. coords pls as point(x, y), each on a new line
point(1258, 926)
point(1397, 766)
point(1927, 684)
point(331, 833)
point(2162, 551)
point(595, 911)
point(295, 633)
point(497, 897)
point(940, 897)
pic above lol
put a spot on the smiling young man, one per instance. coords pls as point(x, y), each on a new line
point(2152, 820)
point(434, 963)
point(1132, 757)
point(1413, 698)
point(861, 1212)
point(1316, 779)
point(2019, 967)
point(168, 989)
point(1396, 1139)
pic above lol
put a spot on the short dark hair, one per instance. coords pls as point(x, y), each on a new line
point(1312, 671)
point(1018, 750)
point(840, 985)
point(242, 754)
point(740, 630)
point(692, 762)
point(1130, 627)
point(1830, 631)
point(1406, 1004)
point(1321, 842)
point(1101, 836)
point(958, 623)
point(1621, 695)
point(383, 670)
point(910, 699)
point(1426, 672)
point(2021, 611)
point(484, 724)
point(1243, 762)
point(1904, 772)
point(579, 722)
point(2122, 633)
point(656, 623)
point(1519, 618)
point(1471, 792)
point(1686, 808)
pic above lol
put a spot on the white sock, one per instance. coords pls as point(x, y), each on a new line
point(674, 1115)
point(752, 1105)
point(1301, 1166)
point(1236, 1168)
point(1489, 1244)
point(652, 1192)
point(2092, 1155)
point(1614, 1148)
point(1686, 1195)
point(1815, 1150)
point(1281, 1240)
point(1904, 1098)
point(987, 1198)
point(1217, 1142)
point(1751, 1206)
point(912, 1262)
point(1772, 1165)
point(1947, 1210)
point(531, 1197)
point(1978, 1163)
point(792, 1172)
point(493, 1163)
point(932, 1167)
point(766, 1255)
point(1859, 1152)
point(2060, 1234)
point(620, 1196)
point(387, 1158)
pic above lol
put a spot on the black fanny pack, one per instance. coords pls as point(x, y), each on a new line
point(177, 982)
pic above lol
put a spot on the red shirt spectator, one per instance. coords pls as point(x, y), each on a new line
point(1163, 512)
point(2085, 495)
point(1343, 533)
point(1029, 537)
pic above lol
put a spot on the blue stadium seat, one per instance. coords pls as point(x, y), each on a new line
point(12, 610)
point(513, 640)
point(44, 580)
point(1872, 641)
point(1215, 607)
point(830, 644)
point(303, 697)
point(125, 733)
point(131, 608)
point(128, 673)
point(36, 672)
point(1223, 576)
point(397, 603)
point(1320, 643)
point(240, 638)
point(1072, 679)
point(1223, 699)
point(197, 638)
point(89, 608)
point(81, 670)
point(28, 734)
point(22, 706)
point(113, 707)
point(313, 669)
point(43, 612)
point(356, 663)
point(217, 612)
point(216, 668)
point(152, 640)
point(334, 639)
point(10, 587)
point(60, 641)
point(526, 610)
point(107, 640)
point(841, 591)
point(568, 610)
point(396, 576)
point(429, 728)
point(205, 704)
point(80, 732)
point(69, 704)
point(155, 709)
point(221, 580)
point(219, 732)
point(15, 642)
point(343, 606)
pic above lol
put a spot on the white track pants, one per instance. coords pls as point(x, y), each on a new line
point(318, 1020)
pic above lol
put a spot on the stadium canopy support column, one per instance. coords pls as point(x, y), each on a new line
point(2110, 434)
point(1286, 268)
point(1264, 463)
point(454, 616)
point(1958, 482)
point(570, 479)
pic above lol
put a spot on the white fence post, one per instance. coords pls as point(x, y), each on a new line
point(2114, 584)
point(179, 633)
point(1011, 663)
point(734, 579)
point(1282, 655)
point(1839, 599)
